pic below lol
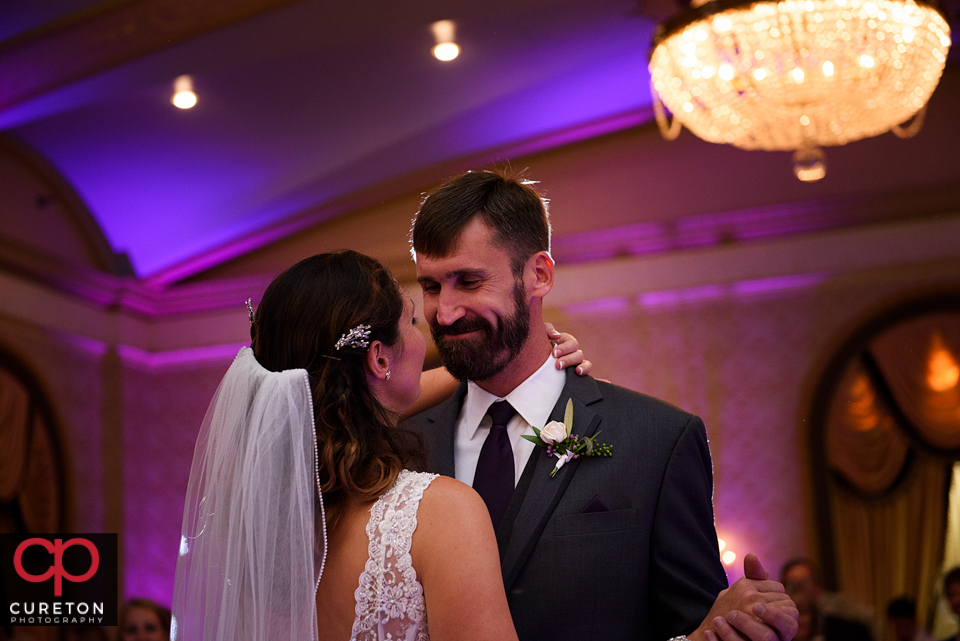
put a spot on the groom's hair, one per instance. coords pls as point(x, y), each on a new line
point(510, 207)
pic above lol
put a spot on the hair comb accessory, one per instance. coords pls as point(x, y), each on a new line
point(356, 338)
point(250, 309)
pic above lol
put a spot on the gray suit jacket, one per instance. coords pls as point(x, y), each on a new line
point(609, 548)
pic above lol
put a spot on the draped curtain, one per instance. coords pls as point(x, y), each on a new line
point(30, 474)
point(892, 434)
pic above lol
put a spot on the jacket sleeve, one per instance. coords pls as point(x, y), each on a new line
point(685, 569)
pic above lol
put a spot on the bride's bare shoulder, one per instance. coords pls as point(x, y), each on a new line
point(449, 507)
point(455, 555)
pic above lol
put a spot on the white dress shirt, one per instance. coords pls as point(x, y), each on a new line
point(533, 399)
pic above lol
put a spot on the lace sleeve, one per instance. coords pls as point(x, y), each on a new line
point(390, 603)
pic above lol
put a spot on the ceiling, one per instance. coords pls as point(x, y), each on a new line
point(301, 103)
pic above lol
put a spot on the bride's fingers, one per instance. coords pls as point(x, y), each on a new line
point(750, 627)
point(782, 618)
point(575, 359)
point(766, 623)
point(566, 349)
point(722, 631)
point(552, 332)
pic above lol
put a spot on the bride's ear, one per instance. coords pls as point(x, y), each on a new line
point(377, 361)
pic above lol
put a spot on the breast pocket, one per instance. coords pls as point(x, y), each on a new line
point(596, 522)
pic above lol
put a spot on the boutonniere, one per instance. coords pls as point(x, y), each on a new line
point(560, 442)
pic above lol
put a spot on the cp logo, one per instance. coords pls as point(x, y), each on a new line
point(56, 570)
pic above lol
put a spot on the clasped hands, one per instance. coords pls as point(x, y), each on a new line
point(753, 608)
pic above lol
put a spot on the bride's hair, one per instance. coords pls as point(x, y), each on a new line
point(302, 315)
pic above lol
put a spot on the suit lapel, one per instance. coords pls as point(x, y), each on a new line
point(544, 492)
point(440, 430)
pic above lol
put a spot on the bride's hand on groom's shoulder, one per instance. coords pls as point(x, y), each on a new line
point(753, 608)
point(566, 349)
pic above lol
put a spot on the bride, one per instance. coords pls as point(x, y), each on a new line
point(335, 360)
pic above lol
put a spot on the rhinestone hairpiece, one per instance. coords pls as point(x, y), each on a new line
point(250, 309)
point(357, 337)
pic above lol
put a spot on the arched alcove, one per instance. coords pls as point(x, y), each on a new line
point(32, 498)
point(42, 218)
point(884, 435)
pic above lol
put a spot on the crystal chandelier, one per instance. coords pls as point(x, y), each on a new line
point(797, 75)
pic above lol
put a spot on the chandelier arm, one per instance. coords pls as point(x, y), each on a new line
point(670, 130)
point(913, 128)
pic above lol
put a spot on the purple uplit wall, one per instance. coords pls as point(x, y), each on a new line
point(162, 415)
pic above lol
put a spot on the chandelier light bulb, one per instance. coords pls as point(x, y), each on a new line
point(722, 24)
point(183, 96)
point(828, 68)
point(444, 32)
point(809, 164)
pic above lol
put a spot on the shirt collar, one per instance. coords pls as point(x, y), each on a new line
point(534, 398)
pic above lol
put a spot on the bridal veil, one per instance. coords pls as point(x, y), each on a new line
point(253, 542)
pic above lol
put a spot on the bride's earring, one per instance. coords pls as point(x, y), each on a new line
point(388, 375)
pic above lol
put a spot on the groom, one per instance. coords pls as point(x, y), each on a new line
point(608, 548)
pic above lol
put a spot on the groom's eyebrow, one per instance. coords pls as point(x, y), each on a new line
point(476, 271)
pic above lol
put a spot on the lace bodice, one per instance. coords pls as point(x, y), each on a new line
point(390, 604)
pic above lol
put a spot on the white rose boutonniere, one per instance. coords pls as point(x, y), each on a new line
point(559, 441)
point(553, 432)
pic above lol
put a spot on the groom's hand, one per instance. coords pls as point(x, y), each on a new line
point(753, 608)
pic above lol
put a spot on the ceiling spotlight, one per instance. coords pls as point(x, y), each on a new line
point(446, 49)
point(183, 96)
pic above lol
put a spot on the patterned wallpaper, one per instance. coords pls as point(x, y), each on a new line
point(162, 415)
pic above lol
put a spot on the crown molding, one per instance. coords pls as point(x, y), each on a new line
point(134, 297)
point(205, 323)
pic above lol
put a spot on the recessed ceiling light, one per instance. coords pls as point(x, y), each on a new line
point(446, 49)
point(183, 96)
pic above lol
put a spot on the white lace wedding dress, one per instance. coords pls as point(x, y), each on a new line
point(390, 605)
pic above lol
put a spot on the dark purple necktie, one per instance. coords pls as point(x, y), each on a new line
point(494, 479)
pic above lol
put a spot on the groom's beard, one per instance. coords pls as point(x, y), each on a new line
point(480, 357)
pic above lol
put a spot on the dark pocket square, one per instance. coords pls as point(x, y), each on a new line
point(596, 504)
point(597, 523)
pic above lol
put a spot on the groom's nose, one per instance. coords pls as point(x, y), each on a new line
point(449, 308)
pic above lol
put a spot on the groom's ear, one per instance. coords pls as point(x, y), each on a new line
point(539, 275)
point(377, 361)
